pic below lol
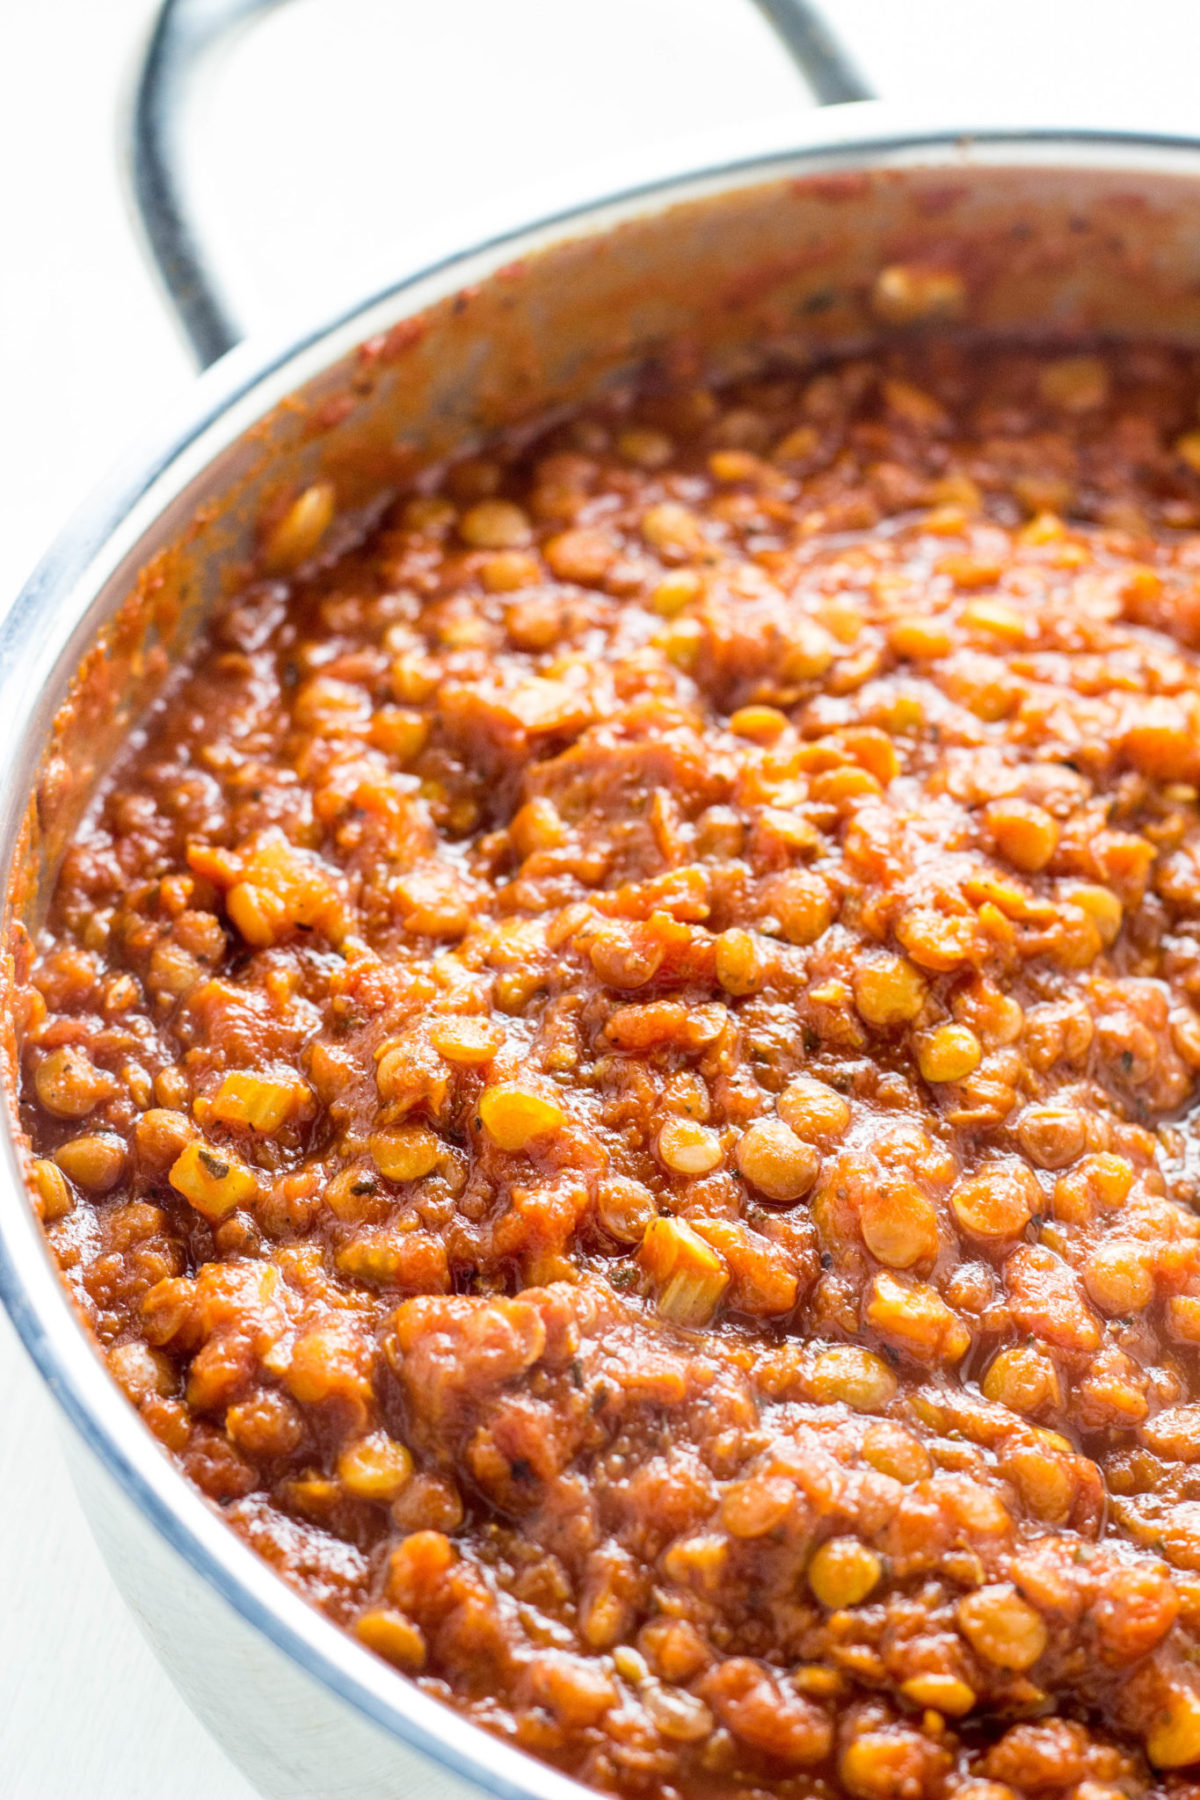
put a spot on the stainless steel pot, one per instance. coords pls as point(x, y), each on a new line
point(1047, 230)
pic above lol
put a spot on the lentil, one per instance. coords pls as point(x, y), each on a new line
point(514, 1116)
point(950, 1053)
point(813, 1110)
point(375, 1468)
point(998, 1202)
point(738, 965)
point(888, 992)
point(52, 1193)
point(843, 1572)
point(1002, 1628)
point(687, 1148)
point(299, 532)
point(775, 1161)
point(95, 1162)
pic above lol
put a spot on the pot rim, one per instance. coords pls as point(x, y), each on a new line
point(57, 613)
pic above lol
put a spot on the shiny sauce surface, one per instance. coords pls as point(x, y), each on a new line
point(612, 1075)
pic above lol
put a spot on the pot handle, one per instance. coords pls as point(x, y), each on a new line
point(823, 60)
point(186, 30)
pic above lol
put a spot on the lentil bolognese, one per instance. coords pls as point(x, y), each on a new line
point(610, 1072)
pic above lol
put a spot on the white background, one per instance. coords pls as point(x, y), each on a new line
point(339, 130)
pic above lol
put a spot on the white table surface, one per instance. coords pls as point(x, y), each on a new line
point(321, 89)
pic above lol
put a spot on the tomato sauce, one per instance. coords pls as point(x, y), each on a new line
point(611, 1073)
